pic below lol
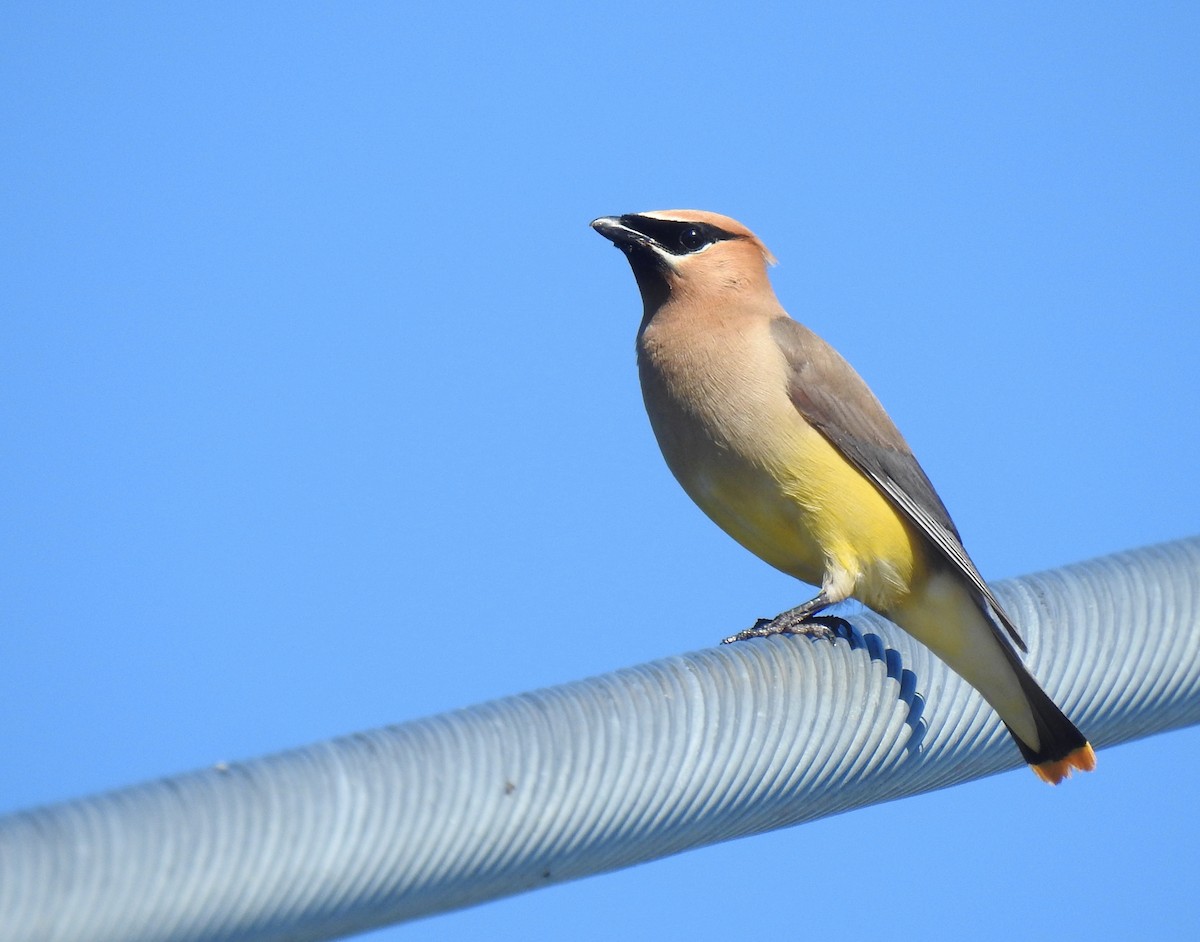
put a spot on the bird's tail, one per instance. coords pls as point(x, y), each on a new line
point(958, 625)
point(1062, 746)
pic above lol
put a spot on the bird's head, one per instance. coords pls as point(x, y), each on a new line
point(689, 251)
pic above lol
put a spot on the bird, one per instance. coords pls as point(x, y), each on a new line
point(784, 446)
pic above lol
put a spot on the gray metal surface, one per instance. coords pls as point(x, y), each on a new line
point(574, 780)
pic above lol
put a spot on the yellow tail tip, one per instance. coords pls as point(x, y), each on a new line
point(1083, 759)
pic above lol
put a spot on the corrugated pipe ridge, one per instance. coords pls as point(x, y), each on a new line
point(574, 780)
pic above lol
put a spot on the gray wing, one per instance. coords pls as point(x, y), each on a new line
point(833, 398)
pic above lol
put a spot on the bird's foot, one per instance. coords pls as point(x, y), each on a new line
point(820, 627)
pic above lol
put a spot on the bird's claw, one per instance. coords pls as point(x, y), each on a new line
point(818, 627)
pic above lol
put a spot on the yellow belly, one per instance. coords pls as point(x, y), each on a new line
point(809, 513)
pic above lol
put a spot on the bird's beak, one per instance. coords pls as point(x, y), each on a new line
point(618, 231)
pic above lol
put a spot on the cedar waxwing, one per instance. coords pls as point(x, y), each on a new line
point(782, 444)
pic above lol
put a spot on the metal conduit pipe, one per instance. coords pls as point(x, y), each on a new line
point(557, 784)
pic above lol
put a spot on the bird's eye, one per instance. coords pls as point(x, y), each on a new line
point(692, 239)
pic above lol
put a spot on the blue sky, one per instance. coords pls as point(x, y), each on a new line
point(320, 411)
